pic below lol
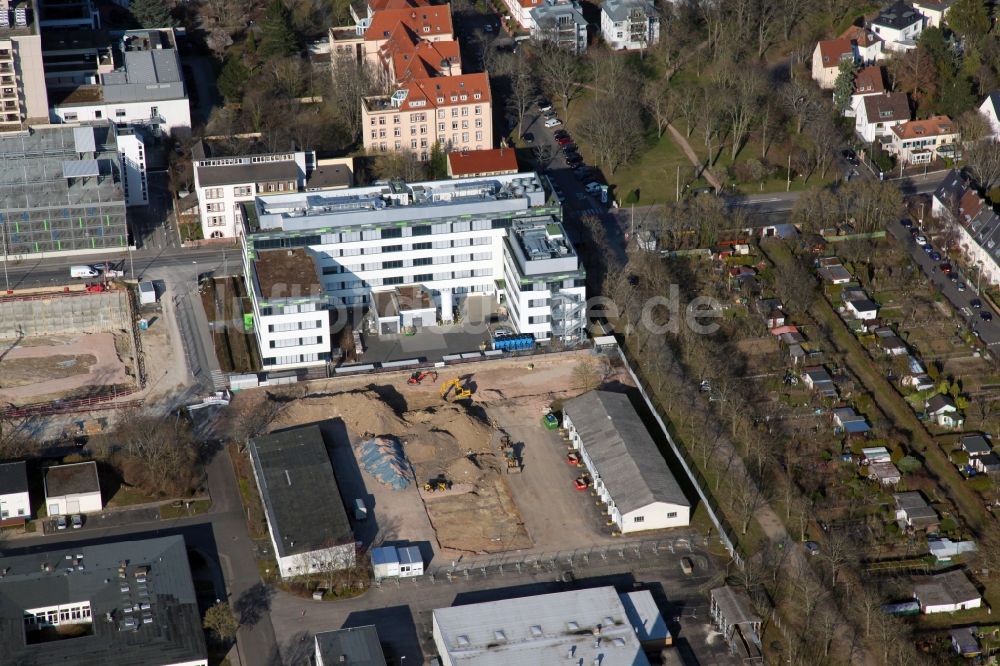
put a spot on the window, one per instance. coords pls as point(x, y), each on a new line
point(391, 264)
point(421, 246)
point(392, 248)
point(70, 117)
point(423, 277)
point(672, 514)
point(98, 114)
point(392, 281)
point(639, 519)
point(392, 232)
point(422, 230)
point(119, 113)
point(243, 191)
point(423, 261)
point(213, 193)
point(215, 207)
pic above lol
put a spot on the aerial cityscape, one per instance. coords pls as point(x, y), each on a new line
point(476, 333)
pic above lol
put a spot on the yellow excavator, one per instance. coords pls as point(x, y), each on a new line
point(461, 392)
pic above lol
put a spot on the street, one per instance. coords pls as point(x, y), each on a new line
point(987, 331)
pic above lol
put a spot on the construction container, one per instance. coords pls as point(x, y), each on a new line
point(385, 562)
point(519, 342)
point(147, 293)
point(410, 562)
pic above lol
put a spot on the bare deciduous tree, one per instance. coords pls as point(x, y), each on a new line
point(801, 102)
point(522, 93)
point(983, 158)
point(657, 102)
point(560, 71)
point(614, 131)
point(351, 82)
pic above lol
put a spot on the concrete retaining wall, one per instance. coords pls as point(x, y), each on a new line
point(61, 314)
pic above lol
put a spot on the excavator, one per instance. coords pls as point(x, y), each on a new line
point(461, 392)
point(419, 376)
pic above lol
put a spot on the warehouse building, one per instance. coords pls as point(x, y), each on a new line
point(61, 191)
point(498, 241)
point(73, 488)
point(580, 627)
point(629, 472)
point(122, 603)
point(305, 514)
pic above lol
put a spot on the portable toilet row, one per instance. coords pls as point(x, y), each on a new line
point(392, 562)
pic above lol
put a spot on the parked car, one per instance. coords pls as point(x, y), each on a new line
point(76, 520)
point(935, 256)
point(907, 223)
point(687, 566)
point(921, 239)
point(945, 268)
point(564, 140)
point(812, 547)
point(953, 277)
point(528, 137)
point(60, 522)
point(960, 286)
point(928, 248)
point(574, 161)
point(544, 105)
point(488, 27)
point(561, 133)
point(986, 316)
point(914, 231)
point(581, 171)
point(592, 187)
point(976, 303)
point(553, 122)
point(850, 156)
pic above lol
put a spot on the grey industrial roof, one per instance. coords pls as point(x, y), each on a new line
point(329, 175)
point(238, 174)
point(357, 646)
point(72, 479)
point(618, 10)
point(13, 478)
point(540, 629)
point(173, 634)
point(80, 168)
point(734, 605)
point(626, 457)
point(644, 616)
point(909, 500)
point(952, 587)
point(299, 490)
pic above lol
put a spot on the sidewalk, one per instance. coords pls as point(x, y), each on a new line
point(686, 147)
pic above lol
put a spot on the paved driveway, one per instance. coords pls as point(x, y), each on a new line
point(988, 332)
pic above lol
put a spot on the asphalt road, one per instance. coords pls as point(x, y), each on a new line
point(988, 331)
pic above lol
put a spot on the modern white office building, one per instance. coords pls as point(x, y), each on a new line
point(132, 148)
point(433, 245)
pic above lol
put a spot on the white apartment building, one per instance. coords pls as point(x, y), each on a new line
point(899, 26)
point(22, 79)
point(135, 79)
point(15, 504)
point(496, 237)
point(560, 22)
point(629, 24)
point(132, 148)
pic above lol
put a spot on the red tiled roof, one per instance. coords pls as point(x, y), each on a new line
point(382, 5)
point(424, 22)
point(933, 126)
point(470, 162)
point(413, 58)
point(861, 36)
point(869, 80)
point(445, 91)
point(832, 50)
point(529, 4)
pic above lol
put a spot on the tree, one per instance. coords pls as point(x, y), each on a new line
point(969, 18)
point(795, 286)
point(350, 84)
point(399, 164)
point(741, 104)
point(614, 130)
point(915, 73)
point(522, 93)
point(656, 101)
point(437, 165)
point(801, 102)
point(586, 375)
point(277, 35)
point(824, 139)
point(973, 126)
point(983, 159)
point(843, 87)
point(151, 13)
point(233, 78)
point(560, 71)
point(221, 621)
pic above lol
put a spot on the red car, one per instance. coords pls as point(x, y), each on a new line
point(573, 458)
point(581, 482)
point(946, 268)
point(564, 140)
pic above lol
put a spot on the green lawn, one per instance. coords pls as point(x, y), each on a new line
point(127, 496)
point(168, 511)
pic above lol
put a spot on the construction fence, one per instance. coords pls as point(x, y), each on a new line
point(64, 313)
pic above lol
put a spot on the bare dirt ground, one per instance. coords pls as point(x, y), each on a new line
point(459, 442)
point(163, 355)
point(32, 371)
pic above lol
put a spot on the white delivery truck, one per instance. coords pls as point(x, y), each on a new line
point(82, 272)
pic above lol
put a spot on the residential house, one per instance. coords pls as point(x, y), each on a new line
point(864, 309)
point(975, 446)
point(947, 592)
point(914, 513)
point(520, 11)
point(826, 59)
point(944, 550)
point(733, 613)
point(990, 109)
point(831, 270)
point(629, 24)
point(73, 488)
point(560, 22)
point(629, 473)
point(878, 114)
point(867, 45)
point(15, 504)
point(817, 379)
point(875, 454)
point(988, 464)
point(354, 646)
point(306, 518)
point(852, 423)
point(933, 11)
point(899, 26)
point(923, 141)
point(889, 342)
point(480, 163)
point(941, 410)
point(977, 224)
point(885, 473)
point(965, 642)
point(868, 81)
point(770, 309)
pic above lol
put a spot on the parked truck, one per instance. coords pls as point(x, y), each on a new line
point(81, 272)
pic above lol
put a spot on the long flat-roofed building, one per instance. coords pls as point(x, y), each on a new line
point(61, 191)
point(629, 473)
point(580, 627)
point(125, 603)
point(496, 239)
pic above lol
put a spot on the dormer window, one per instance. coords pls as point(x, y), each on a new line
point(476, 96)
point(463, 97)
point(454, 98)
point(427, 28)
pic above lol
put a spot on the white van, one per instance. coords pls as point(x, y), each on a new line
point(82, 272)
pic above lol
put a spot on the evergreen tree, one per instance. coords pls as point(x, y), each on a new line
point(151, 13)
point(843, 87)
point(969, 18)
point(437, 166)
point(278, 38)
point(233, 78)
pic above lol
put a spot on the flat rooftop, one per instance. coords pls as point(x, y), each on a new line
point(247, 172)
point(400, 202)
point(72, 479)
point(287, 273)
point(143, 608)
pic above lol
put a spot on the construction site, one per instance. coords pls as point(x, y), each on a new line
point(75, 344)
point(458, 457)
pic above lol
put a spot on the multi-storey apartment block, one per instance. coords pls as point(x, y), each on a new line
point(22, 81)
point(434, 245)
point(630, 24)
